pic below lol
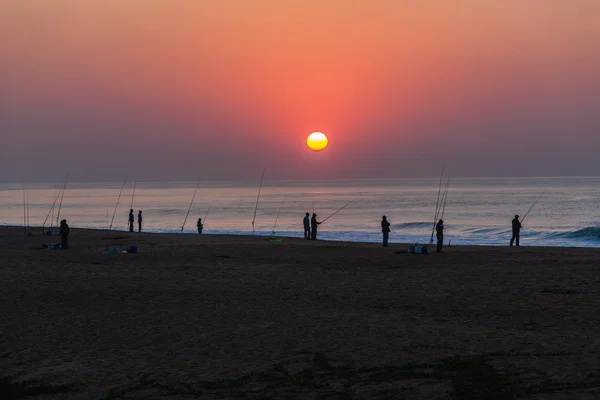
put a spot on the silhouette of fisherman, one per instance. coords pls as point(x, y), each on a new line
point(140, 221)
point(64, 234)
point(131, 219)
point(516, 230)
point(385, 228)
point(439, 234)
point(314, 227)
point(200, 226)
point(306, 222)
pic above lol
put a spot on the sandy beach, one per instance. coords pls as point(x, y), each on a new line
point(208, 316)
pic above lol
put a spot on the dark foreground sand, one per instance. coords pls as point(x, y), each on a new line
point(243, 317)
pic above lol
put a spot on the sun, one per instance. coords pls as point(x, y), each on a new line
point(317, 141)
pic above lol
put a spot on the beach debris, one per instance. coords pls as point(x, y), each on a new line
point(114, 250)
point(417, 250)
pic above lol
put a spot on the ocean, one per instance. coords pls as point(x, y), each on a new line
point(478, 211)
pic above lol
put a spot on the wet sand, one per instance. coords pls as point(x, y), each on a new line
point(209, 316)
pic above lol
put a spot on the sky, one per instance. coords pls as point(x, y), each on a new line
point(219, 90)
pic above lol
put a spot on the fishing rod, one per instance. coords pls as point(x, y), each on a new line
point(106, 234)
point(437, 204)
point(340, 209)
point(206, 215)
point(531, 208)
point(116, 205)
point(313, 203)
point(445, 198)
point(27, 198)
point(24, 212)
point(61, 198)
point(190, 207)
point(257, 198)
point(50, 211)
point(133, 194)
point(52, 208)
point(276, 218)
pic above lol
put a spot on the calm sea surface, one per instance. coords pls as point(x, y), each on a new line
point(478, 211)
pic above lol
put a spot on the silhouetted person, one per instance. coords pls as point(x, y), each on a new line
point(131, 219)
point(314, 227)
point(439, 234)
point(140, 221)
point(516, 230)
point(200, 226)
point(306, 222)
point(385, 228)
point(64, 234)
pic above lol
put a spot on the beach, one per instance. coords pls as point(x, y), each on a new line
point(226, 316)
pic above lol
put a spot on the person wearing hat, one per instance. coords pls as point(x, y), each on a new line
point(439, 234)
point(385, 228)
point(516, 230)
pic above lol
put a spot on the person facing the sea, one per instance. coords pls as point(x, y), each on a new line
point(516, 230)
point(306, 222)
point(439, 234)
point(200, 226)
point(140, 221)
point(314, 226)
point(131, 219)
point(385, 229)
point(64, 234)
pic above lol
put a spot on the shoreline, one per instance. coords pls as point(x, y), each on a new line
point(294, 238)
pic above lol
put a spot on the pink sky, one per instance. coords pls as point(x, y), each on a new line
point(193, 89)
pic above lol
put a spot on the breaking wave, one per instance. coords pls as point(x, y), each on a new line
point(413, 225)
point(589, 233)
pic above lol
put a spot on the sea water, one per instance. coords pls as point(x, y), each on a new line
point(478, 211)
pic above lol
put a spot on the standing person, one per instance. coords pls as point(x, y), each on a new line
point(439, 234)
point(140, 221)
point(314, 226)
point(306, 222)
point(516, 230)
point(385, 228)
point(200, 226)
point(131, 219)
point(64, 234)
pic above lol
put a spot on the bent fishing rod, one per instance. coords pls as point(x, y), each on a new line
point(340, 209)
point(531, 208)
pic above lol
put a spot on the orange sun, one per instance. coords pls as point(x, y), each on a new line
point(317, 141)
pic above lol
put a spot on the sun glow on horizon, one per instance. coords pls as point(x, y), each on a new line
point(317, 141)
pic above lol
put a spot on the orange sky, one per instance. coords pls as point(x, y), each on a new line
point(379, 77)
